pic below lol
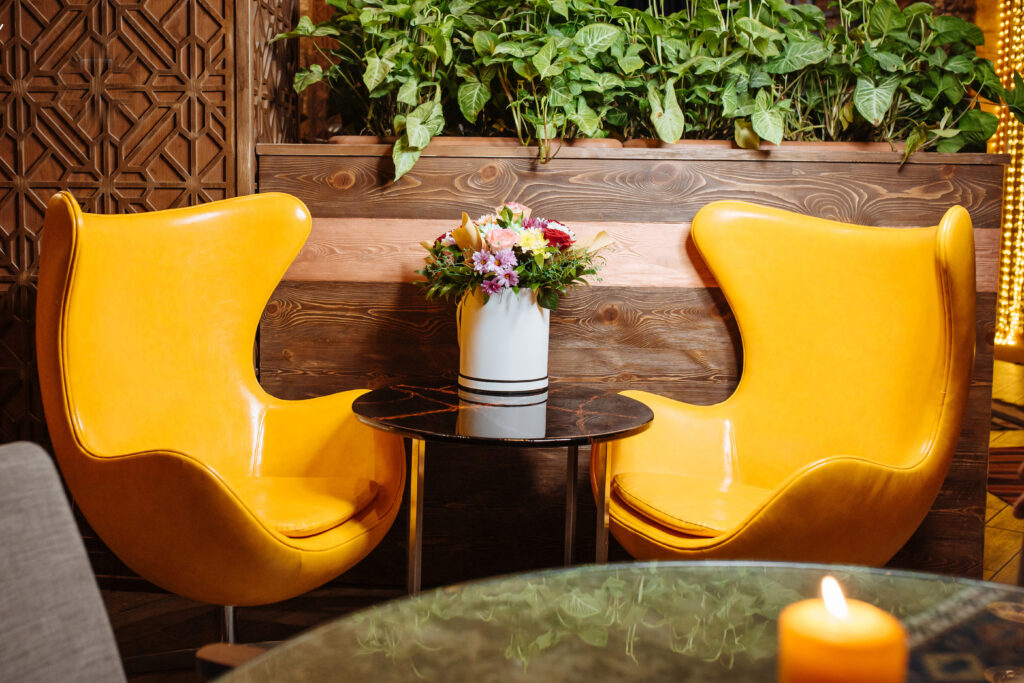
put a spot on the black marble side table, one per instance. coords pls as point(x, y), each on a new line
point(572, 416)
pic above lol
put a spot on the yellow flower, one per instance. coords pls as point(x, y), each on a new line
point(532, 240)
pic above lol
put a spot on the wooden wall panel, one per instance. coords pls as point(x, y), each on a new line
point(667, 187)
point(346, 315)
point(644, 255)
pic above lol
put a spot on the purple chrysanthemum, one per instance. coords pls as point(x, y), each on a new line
point(483, 262)
point(490, 286)
point(533, 222)
point(507, 277)
point(506, 259)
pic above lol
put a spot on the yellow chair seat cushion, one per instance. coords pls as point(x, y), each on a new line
point(305, 506)
point(693, 505)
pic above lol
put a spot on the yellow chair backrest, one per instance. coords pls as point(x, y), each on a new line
point(841, 354)
point(160, 316)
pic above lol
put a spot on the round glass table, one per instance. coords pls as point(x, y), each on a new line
point(569, 415)
point(669, 621)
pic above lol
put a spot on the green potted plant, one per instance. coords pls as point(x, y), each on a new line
point(747, 71)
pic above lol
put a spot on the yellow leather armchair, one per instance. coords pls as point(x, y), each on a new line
point(858, 345)
point(195, 477)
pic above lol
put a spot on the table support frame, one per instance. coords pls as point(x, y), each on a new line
point(600, 460)
point(417, 464)
point(417, 460)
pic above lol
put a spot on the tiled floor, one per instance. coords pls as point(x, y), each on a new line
point(1003, 533)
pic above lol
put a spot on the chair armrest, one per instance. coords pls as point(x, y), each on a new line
point(320, 437)
point(683, 439)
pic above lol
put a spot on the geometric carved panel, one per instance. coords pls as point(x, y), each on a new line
point(130, 105)
point(275, 103)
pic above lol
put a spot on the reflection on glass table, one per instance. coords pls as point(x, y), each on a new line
point(669, 621)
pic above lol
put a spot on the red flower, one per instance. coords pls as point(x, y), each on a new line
point(557, 238)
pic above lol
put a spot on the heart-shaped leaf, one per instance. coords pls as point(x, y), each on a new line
point(307, 77)
point(404, 157)
point(596, 38)
point(873, 100)
point(472, 97)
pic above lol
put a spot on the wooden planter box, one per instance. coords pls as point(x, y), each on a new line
point(347, 316)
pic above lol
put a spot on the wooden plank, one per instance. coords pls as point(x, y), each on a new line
point(645, 254)
point(713, 150)
point(388, 250)
point(666, 191)
point(681, 342)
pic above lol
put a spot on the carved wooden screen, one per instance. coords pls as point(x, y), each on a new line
point(265, 81)
point(130, 105)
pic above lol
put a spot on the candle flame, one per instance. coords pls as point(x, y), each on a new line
point(835, 603)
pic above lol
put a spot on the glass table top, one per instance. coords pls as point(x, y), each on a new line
point(670, 621)
point(572, 414)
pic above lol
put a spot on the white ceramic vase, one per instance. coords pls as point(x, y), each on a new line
point(503, 348)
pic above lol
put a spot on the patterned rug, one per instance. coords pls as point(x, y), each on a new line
point(1003, 463)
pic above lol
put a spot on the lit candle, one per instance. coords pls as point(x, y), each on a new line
point(833, 640)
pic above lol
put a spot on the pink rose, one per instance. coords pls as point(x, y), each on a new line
point(500, 238)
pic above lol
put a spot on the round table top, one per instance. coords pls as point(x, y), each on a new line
point(671, 621)
point(572, 415)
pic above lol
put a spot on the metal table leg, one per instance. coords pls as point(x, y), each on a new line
point(570, 502)
point(417, 457)
point(601, 463)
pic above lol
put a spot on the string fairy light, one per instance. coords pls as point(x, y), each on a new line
point(1009, 139)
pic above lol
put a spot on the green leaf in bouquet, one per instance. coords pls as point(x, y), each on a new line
point(548, 298)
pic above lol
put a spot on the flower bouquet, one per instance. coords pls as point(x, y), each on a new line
point(510, 249)
point(507, 270)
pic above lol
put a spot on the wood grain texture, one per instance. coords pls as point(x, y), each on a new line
point(715, 150)
point(319, 338)
point(388, 250)
point(645, 254)
point(665, 191)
